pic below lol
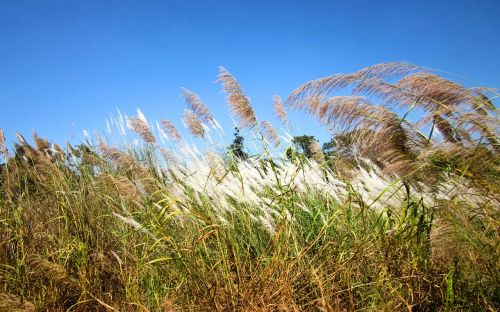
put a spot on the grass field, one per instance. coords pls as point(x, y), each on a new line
point(400, 212)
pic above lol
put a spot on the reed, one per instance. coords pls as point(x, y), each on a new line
point(401, 214)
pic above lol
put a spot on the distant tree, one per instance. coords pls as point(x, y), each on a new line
point(302, 144)
point(339, 145)
point(237, 148)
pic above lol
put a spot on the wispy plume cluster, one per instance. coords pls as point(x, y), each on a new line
point(237, 100)
point(462, 116)
point(195, 104)
point(3, 144)
point(171, 130)
point(317, 152)
point(140, 127)
point(123, 160)
point(169, 156)
point(42, 145)
point(193, 124)
point(270, 133)
point(279, 110)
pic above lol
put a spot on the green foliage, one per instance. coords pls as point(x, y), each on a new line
point(340, 145)
point(237, 148)
point(302, 145)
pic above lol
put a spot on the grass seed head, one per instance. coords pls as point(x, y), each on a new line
point(142, 129)
point(237, 100)
point(171, 130)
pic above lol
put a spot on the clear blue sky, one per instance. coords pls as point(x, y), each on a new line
point(66, 65)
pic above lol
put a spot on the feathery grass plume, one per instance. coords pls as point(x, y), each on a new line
point(483, 126)
point(46, 169)
point(171, 130)
point(3, 144)
point(169, 156)
point(391, 94)
point(369, 79)
point(387, 70)
point(483, 117)
point(60, 153)
point(385, 138)
point(339, 111)
point(237, 100)
point(24, 150)
point(377, 132)
point(323, 86)
point(118, 186)
point(42, 145)
point(443, 240)
point(193, 124)
point(317, 152)
point(445, 129)
point(21, 139)
point(55, 273)
point(123, 160)
point(215, 164)
point(279, 109)
point(319, 87)
point(270, 133)
point(11, 303)
point(460, 114)
point(437, 94)
point(481, 104)
point(142, 129)
point(195, 104)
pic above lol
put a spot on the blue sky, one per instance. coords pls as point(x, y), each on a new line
point(66, 65)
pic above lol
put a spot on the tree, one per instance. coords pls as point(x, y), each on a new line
point(340, 144)
point(237, 148)
point(302, 144)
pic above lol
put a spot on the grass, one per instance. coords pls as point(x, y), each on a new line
point(97, 228)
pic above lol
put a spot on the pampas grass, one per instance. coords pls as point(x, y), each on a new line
point(195, 104)
point(142, 129)
point(237, 100)
point(270, 133)
point(279, 110)
point(171, 130)
point(193, 124)
point(3, 145)
point(408, 220)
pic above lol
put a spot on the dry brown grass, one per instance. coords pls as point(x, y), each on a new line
point(11, 303)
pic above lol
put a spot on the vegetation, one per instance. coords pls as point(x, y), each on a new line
point(237, 148)
point(399, 211)
point(303, 144)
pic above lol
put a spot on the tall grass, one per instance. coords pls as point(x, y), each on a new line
point(408, 221)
